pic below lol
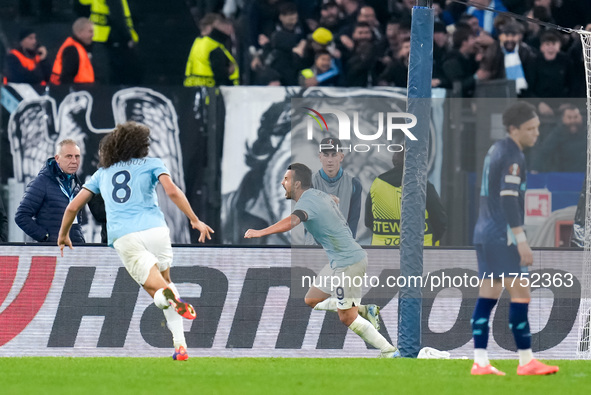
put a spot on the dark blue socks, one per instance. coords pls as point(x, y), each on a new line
point(479, 321)
point(519, 324)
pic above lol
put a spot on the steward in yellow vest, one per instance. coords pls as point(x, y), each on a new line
point(383, 208)
point(210, 63)
point(115, 56)
point(109, 16)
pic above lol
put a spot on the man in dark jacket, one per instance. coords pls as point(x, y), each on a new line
point(383, 208)
point(565, 149)
point(461, 65)
point(28, 62)
point(46, 197)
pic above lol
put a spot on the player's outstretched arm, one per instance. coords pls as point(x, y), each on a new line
point(287, 223)
point(178, 197)
point(63, 239)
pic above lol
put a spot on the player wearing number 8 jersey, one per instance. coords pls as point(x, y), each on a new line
point(136, 227)
point(501, 246)
point(322, 218)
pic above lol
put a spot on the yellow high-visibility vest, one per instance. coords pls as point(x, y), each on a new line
point(386, 204)
point(99, 15)
point(198, 71)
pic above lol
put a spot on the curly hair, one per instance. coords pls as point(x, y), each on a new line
point(128, 140)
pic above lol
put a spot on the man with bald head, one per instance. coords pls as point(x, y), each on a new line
point(72, 62)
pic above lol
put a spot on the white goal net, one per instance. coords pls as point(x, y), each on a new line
point(584, 351)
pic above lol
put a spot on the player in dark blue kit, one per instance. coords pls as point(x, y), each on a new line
point(501, 246)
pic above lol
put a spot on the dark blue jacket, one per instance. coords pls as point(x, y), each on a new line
point(44, 203)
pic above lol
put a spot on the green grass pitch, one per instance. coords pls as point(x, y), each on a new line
point(277, 376)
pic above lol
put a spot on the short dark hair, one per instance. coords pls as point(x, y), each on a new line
point(301, 173)
point(550, 36)
point(288, 8)
point(321, 52)
point(517, 114)
point(329, 4)
point(464, 18)
point(567, 107)
point(361, 24)
point(462, 33)
point(542, 14)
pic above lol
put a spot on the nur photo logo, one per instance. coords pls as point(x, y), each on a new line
point(388, 122)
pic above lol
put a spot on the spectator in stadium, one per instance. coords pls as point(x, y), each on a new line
point(262, 15)
point(360, 58)
point(368, 15)
point(278, 52)
point(441, 49)
point(565, 149)
point(404, 31)
point(320, 40)
point(461, 65)
point(318, 212)
point(534, 30)
point(516, 54)
point(115, 43)
point(550, 74)
point(403, 9)
point(135, 224)
point(28, 62)
point(383, 208)
point(325, 71)
point(210, 62)
point(396, 72)
point(486, 17)
point(46, 197)
point(3, 223)
point(503, 253)
point(452, 12)
point(392, 29)
point(332, 179)
point(72, 62)
point(350, 10)
point(329, 17)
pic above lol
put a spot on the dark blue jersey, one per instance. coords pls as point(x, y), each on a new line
point(503, 186)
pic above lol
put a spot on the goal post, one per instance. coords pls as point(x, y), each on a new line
point(583, 349)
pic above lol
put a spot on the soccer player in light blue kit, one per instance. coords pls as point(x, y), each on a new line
point(136, 227)
point(321, 217)
point(501, 246)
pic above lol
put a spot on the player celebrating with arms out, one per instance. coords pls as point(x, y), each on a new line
point(323, 219)
point(501, 246)
point(135, 224)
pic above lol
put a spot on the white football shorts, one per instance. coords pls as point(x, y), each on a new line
point(139, 251)
point(344, 283)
